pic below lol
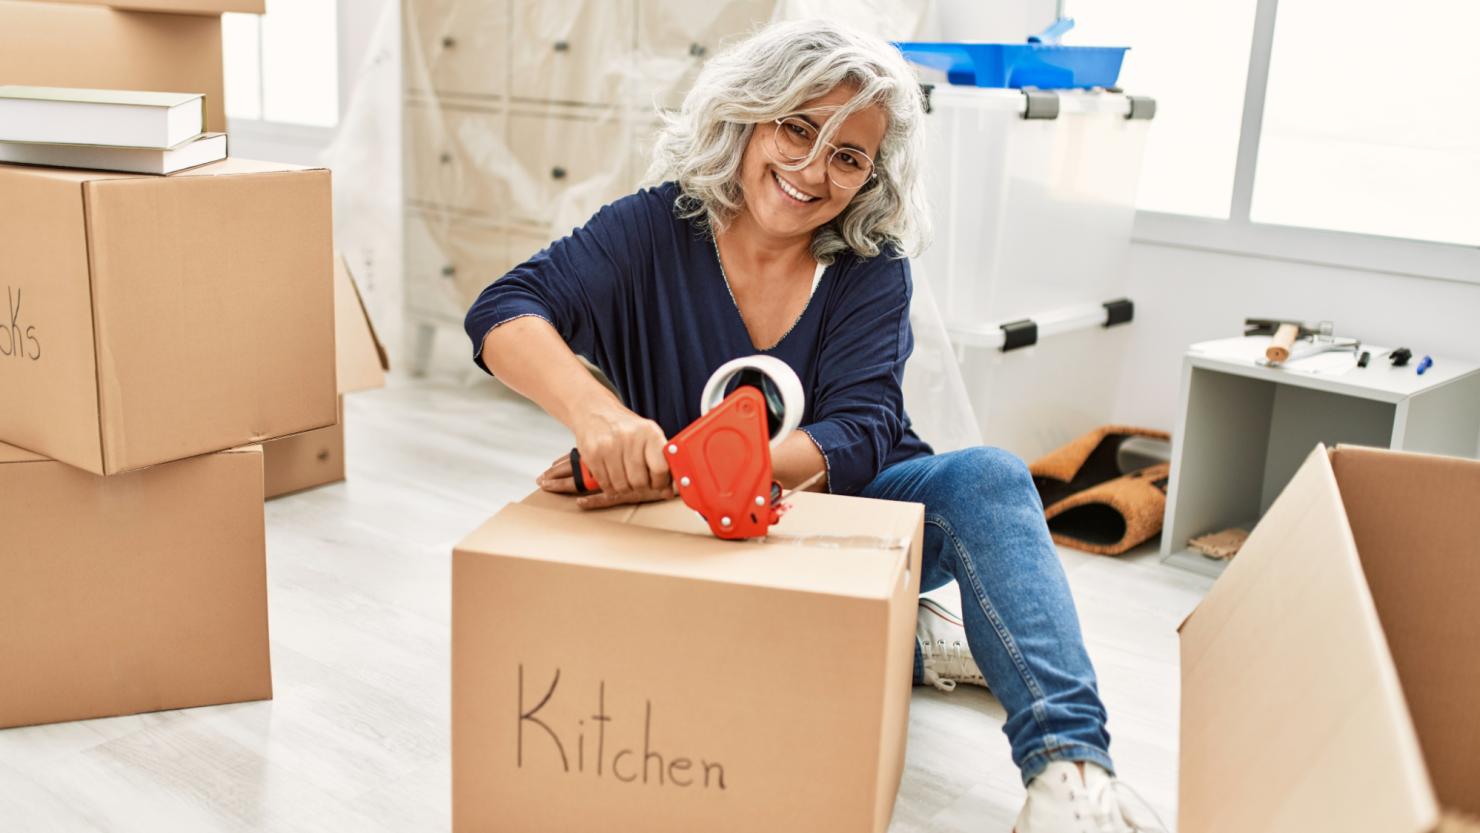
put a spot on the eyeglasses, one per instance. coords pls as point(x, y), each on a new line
point(794, 141)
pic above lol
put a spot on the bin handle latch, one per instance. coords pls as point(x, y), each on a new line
point(1142, 107)
point(1042, 104)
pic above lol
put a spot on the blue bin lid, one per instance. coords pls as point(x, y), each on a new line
point(1044, 65)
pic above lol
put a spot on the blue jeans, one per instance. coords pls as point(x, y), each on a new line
point(984, 527)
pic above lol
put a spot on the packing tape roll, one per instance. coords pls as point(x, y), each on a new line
point(793, 401)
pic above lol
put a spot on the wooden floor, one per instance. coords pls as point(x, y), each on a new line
point(356, 738)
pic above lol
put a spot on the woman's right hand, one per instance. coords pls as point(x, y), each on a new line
point(624, 453)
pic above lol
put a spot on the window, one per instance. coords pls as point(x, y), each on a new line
point(1371, 124)
point(282, 66)
point(1337, 132)
point(1193, 58)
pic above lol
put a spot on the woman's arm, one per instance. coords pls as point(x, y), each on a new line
point(623, 450)
point(798, 460)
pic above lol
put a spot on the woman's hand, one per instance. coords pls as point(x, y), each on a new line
point(623, 450)
point(624, 453)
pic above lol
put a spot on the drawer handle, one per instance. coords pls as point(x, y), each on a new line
point(446, 157)
point(558, 173)
point(697, 50)
point(561, 46)
point(448, 42)
point(449, 270)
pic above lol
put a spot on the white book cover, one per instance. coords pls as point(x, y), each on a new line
point(202, 150)
point(115, 118)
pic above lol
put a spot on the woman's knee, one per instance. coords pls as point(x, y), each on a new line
point(992, 469)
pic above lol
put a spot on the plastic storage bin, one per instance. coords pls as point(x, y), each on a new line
point(1018, 65)
point(1033, 222)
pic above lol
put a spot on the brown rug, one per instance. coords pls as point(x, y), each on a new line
point(1090, 503)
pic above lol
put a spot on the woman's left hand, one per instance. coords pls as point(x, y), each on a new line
point(558, 478)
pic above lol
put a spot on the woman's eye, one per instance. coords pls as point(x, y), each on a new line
point(847, 159)
point(800, 131)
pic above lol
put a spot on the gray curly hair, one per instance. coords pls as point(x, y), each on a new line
point(769, 76)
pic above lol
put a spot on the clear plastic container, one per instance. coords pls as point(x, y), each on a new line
point(1033, 221)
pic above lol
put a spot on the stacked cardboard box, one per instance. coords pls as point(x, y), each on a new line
point(92, 47)
point(316, 458)
point(151, 325)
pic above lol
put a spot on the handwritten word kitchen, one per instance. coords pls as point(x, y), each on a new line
point(626, 764)
point(14, 342)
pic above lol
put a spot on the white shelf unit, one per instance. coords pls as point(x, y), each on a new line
point(1243, 429)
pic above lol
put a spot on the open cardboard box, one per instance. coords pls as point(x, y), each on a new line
point(624, 669)
point(95, 48)
point(151, 319)
point(316, 458)
point(1331, 678)
point(131, 593)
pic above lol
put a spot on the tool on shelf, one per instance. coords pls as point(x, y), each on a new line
point(721, 463)
point(1312, 338)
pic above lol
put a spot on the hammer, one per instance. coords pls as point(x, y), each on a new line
point(1285, 333)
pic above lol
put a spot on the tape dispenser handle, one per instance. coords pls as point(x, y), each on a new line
point(793, 400)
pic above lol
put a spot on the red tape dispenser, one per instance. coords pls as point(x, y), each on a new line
point(721, 463)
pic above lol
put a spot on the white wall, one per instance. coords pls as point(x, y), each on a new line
point(1184, 296)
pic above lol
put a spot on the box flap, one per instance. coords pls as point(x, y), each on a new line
point(1415, 521)
point(233, 165)
point(1292, 714)
point(11, 454)
point(358, 353)
point(621, 539)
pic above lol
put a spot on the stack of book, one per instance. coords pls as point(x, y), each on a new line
point(107, 130)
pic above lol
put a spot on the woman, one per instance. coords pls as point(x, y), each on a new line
point(794, 193)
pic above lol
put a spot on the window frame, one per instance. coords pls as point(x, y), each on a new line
point(1239, 236)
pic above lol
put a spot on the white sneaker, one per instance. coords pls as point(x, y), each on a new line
point(942, 640)
point(1061, 801)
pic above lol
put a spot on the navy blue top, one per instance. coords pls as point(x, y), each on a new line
point(639, 292)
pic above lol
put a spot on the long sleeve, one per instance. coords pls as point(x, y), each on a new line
point(858, 417)
point(578, 284)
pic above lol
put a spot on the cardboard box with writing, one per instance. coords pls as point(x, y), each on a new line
point(96, 48)
point(316, 458)
point(132, 593)
point(1329, 678)
point(150, 319)
point(625, 670)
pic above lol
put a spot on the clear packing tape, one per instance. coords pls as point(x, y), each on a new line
point(513, 121)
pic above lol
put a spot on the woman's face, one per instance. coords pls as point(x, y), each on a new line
point(787, 203)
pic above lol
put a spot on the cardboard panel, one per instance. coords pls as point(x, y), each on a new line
point(1416, 525)
point(570, 711)
point(360, 360)
point(47, 370)
point(304, 461)
point(1293, 718)
point(51, 45)
point(138, 592)
point(213, 301)
point(202, 7)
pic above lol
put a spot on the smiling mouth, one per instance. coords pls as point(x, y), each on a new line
point(788, 190)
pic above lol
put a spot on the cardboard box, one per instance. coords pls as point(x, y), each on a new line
point(1331, 679)
point(150, 319)
point(316, 458)
point(91, 47)
point(625, 670)
point(133, 593)
point(201, 7)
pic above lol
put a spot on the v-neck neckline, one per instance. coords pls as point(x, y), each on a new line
point(816, 281)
